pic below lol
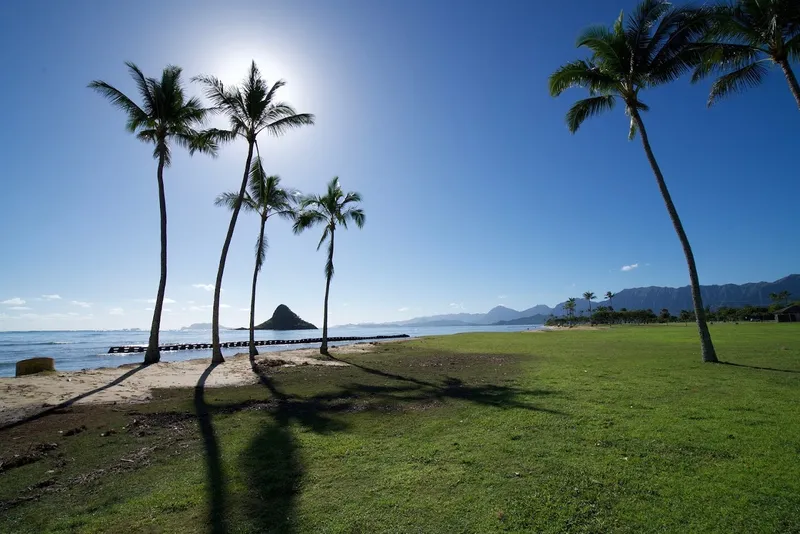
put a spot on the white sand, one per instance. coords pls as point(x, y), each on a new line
point(26, 395)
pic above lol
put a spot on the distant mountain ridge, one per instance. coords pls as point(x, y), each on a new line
point(655, 298)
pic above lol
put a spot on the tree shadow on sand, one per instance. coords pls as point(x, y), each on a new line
point(67, 403)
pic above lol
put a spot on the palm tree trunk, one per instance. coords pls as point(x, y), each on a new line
point(323, 349)
point(153, 355)
point(253, 351)
point(709, 354)
point(794, 87)
point(216, 352)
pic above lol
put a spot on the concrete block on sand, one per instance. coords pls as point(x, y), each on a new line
point(35, 365)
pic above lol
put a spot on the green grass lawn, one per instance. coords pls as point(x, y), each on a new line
point(620, 430)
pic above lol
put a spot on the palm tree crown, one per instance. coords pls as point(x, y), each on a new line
point(165, 113)
point(334, 208)
point(252, 108)
point(651, 48)
point(267, 198)
point(745, 38)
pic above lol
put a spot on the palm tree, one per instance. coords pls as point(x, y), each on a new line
point(589, 296)
point(570, 307)
point(267, 198)
point(334, 208)
point(164, 117)
point(652, 48)
point(251, 109)
point(610, 296)
point(746, 37)
point(785, 297)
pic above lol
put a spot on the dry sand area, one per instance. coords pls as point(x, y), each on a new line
point(28, 395)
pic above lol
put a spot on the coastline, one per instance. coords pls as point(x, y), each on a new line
point(27, 396)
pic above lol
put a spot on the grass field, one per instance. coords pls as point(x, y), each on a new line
point(620, 430)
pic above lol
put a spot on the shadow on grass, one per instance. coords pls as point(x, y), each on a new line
point(73, 400)
point(760, 368)
point(271, 463)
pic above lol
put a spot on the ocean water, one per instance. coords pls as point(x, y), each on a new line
point(88, 349)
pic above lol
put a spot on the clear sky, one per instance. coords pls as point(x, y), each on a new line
point(437, 112)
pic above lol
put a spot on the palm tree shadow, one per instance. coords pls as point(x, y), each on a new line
point(760, 368)
point(503, 397)
point(272, 462)
point(73, 400)
point(216, 482)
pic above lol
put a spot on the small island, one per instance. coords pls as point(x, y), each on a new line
point(284, 319)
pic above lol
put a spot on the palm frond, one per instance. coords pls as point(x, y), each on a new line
point(581, 74)
point(325, 234)
point(143, 87)
point(720, 57)
point(356, 215)
point(601, 42)
point(588, 107)
point(280, 126)
point(262, 244)
point(329, 263)
point(308, 218)
point(737, 81)
point(137, 117)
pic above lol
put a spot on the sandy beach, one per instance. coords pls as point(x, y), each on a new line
point(24, 396)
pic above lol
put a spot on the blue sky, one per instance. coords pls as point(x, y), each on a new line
point(437, 112)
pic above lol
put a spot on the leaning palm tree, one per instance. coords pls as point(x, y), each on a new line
point(589, 296)
point(267, 198)
point(251, 109)
point(746, 37)
point(333, 209)
point(610, 296)
point(653, 47)
point(165, 116)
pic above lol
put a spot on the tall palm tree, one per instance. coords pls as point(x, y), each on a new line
point(267, 198)
point(570, 307)
point(610, 296)
point(746, 37)
point(165, 116)
point(653, 47)
point(589, 296)
point(251, 109)
point(333, 209)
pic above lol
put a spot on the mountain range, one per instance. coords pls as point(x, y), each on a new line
point(655, 298)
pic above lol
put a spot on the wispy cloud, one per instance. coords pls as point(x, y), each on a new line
point(153, 301)
point(82, 304)
point(502, 297)
point(51, 297)
point(631, 267)
point(224, 306)
point(116, 311)
point(403, 309)
point(207, 287)
point(19, 308)
point(16, 301)
point(456, 306)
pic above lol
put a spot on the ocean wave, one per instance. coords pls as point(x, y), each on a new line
point(40, 343)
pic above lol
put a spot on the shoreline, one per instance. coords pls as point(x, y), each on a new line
point(28, 396)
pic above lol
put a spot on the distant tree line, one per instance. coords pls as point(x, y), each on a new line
point(607, 315)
